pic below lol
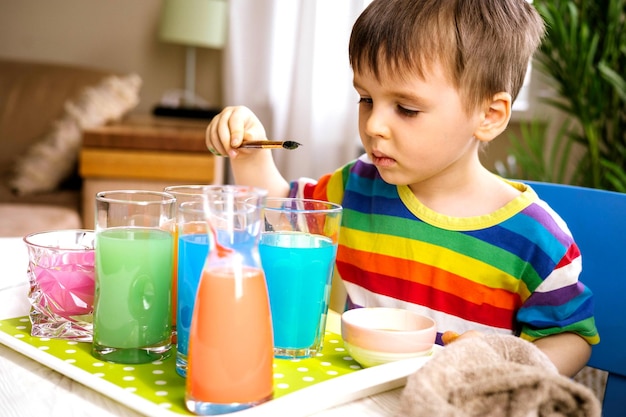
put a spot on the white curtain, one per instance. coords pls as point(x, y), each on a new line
point(288, 61)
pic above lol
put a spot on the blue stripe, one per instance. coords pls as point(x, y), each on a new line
point(378, 206)
point(575, 310)
point(371, 187)
point(517, 243)
point(528, 226)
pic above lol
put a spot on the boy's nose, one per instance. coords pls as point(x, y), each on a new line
point(376, 124)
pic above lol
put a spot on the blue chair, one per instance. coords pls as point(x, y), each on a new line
point(597, 220)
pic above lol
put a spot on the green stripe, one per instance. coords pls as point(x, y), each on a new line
point(458, 242)
point(585, 328)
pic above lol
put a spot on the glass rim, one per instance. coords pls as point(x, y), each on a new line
point(28, 239)
point(330, 206)
point(190, 206)
point(165, 197)
point(231, 188)
point(178, 189)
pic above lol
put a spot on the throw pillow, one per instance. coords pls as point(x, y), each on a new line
point(51, 160)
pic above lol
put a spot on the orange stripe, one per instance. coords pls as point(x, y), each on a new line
point(431, 276)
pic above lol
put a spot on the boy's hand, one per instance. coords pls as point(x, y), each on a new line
point(450, 336)
point(230, 128)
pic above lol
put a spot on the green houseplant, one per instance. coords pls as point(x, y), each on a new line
point(583, 58)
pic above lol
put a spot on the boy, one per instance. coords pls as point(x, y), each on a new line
point(425, 226)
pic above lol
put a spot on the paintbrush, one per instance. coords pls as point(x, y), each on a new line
point(271, 144)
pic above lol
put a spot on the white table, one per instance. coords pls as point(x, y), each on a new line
point(28, 388)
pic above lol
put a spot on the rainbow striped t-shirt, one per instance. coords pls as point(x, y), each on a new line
point(514, 271)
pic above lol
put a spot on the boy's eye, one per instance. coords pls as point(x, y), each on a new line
point(408, 112)
point(365, 100)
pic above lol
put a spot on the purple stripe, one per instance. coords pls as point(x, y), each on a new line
point(556, 297)
point(293, 190)
point(540, 214)
point(351, 305)
point(364, 169)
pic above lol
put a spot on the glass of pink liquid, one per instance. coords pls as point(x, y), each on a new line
point(61, 275)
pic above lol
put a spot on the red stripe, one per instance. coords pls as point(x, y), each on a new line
point(572, 253)
point(317, 191)
point(429, 297)
point(428, 275)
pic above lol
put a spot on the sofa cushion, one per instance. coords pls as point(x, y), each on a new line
point(32, 96)
point(51, 160)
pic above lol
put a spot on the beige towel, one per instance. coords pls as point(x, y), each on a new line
point(494, 375)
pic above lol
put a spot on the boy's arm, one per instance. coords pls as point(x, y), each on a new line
point(259, 171)
point(568, 351)
point(253, 167)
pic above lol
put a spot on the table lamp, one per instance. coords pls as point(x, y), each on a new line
point(194, 23)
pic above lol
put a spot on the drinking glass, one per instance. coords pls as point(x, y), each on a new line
point(230, 361)
point(298, 249)
point(183, 194)
point(61, 275)
point(134, 256)
point(193, 248)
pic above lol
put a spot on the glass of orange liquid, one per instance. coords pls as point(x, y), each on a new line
point(230, 355)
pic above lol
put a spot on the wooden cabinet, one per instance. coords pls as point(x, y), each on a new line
point(145, 152)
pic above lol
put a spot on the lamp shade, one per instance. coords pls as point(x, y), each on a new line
point(194, 22)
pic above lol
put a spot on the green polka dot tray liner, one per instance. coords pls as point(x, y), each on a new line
point(301, 386)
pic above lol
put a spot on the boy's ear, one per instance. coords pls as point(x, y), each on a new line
point(495, 118)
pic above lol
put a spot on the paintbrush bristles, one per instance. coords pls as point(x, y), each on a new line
point(270, 144)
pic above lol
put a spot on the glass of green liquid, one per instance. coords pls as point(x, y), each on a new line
point(298, 249)
point(133, 279)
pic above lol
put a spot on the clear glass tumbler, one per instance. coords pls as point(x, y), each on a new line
point(196, 228)
point(61, 274)
point(134, 257)
point(298, 250)
point(193, 249)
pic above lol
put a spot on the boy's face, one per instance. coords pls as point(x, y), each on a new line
point(415, 130)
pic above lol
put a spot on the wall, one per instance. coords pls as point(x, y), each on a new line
point(122, 35)
point(118, 35)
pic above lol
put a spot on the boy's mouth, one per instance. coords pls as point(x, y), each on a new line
point(381, 160)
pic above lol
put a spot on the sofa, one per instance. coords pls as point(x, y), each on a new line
point(44, 107)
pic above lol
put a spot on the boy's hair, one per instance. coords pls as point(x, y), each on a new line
point(484, 46)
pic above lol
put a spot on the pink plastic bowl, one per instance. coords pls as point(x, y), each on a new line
point(378, 335)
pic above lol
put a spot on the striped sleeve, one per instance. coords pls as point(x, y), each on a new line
point(329, 187)
point(559, 303)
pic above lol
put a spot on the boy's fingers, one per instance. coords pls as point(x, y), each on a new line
point(449, 337)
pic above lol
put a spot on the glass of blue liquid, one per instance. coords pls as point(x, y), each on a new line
point(298, 249)
point(193, 248)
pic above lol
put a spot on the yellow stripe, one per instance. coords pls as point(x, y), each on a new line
point(334, 190)
point(446, 259)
